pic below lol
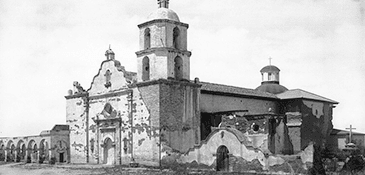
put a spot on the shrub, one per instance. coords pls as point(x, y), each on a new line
point(29, 159)
point(52, 161)
point(18, 158)
point(2, 157)
point(9, 158)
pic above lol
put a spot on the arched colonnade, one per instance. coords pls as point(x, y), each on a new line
point(33, 150)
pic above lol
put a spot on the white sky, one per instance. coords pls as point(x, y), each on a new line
point(45, 45)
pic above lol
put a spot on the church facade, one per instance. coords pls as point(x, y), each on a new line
point(160, 117)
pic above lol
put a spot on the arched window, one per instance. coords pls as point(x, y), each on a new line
point(269, 76)
point(178, 68)
point(107, 79)
point(176, 38)
point(147, 39)
point(145, 69)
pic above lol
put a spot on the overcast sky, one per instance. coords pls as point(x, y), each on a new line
point(45, 45)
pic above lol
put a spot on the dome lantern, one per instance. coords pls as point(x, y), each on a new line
point(270, 80)
point(163, 3)
point(109, 54)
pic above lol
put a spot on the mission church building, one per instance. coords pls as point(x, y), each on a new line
point(159, 116)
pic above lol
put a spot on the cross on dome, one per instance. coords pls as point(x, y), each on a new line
point(163, 3)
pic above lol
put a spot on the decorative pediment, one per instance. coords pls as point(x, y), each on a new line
point(111, 77)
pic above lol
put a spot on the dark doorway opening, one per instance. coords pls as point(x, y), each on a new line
point(208, 120)
point(61, 157)
point(222, 158)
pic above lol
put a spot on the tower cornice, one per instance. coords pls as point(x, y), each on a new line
point(162, 21)
point(162, 49)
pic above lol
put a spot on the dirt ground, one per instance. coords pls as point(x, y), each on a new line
point(69, 169)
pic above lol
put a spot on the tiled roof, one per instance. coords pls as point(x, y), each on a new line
point(224, 89)
point(343, 132)
point(298, 93)
point(270, 68)
point(273, 88)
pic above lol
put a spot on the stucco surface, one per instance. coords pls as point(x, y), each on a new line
point(216, 103)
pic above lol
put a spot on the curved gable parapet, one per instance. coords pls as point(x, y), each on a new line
point(111, 76)
point(242, 139)
point(237, 144)
point(240, 136)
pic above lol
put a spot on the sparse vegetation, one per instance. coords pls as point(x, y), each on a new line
point(52, 161)
point(29, 159)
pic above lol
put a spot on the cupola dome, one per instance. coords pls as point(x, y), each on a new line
point(270, 80)
point(164, 13)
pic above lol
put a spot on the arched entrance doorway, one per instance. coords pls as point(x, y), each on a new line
point(62, 151)
point(108, 151)
point(222, 158)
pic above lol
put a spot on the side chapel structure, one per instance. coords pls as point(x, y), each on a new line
point(159, 116)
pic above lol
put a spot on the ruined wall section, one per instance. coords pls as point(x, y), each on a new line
point(243, 157)
point(212, 103)
point(316, 122)
point(76, 117)
point(146, 124)
point(180, 119)
point(309, 120)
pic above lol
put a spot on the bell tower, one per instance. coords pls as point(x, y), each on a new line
point(163, 46)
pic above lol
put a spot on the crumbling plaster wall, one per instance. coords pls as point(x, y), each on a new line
point(207, 153)
point(98, 134)
point(243, 157)
point(212, 103)
point(180, 119)
point(128, 123)
point(271, 134)
point(146, 133)
point(76, 116)
point(315, 123)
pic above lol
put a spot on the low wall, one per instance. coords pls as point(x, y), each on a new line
point(242, 155)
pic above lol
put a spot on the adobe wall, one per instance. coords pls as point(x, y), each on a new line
point(179, 115)
point(145, 132)
point(216, 103)
point(243, 156)
point(110, 127)
point(76, 118)
point(314, 120)
point(113, 109)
